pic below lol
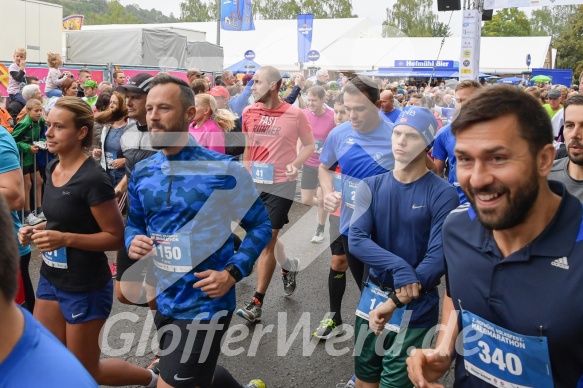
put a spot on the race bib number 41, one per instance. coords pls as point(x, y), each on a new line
point(262, 173)
point(504, 358)
point(372, 296)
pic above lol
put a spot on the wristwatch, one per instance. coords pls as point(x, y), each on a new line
point(396, 300)
point(234, 272)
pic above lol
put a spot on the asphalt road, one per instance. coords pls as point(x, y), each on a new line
point(279, 349)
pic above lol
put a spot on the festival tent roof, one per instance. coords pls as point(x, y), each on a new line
point(355, 44)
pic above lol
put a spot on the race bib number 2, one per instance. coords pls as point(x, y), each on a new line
point(56, 258)
point(504, 358)
point(349, 193)
point(372, 297)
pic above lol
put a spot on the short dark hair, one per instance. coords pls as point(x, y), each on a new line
point(317, 91)
point(30, 78)
point(84, 70)
point(199, 86)
point(468, 83)
point(102, 102)
point(416, 95)
point(186, 93)
point(338, 99)
point(9, 257)
point(575, 100)
point(501, 100)
point(364, 85)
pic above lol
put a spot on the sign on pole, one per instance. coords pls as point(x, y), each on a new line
point(470, 53)
point(313, 55)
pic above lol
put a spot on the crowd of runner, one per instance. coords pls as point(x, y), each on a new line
point(191, 183)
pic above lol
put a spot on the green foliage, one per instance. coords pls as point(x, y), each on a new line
point(289, 9)
point(413, 18)
point(111, 12)
point(197, 11)
point(551, 21)
point(507, 22)
point(569, 44)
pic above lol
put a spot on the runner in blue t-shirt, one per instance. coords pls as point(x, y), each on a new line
point(182, 203)
point(396, 230)
point(30, 356)
point(445, 141)
point(362, 148)
point(513, 258)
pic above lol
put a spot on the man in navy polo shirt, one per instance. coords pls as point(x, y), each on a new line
point(513, 257)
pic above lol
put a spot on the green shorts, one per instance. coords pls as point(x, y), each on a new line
point(388, 366)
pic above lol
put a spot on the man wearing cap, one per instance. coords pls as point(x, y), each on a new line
point(89, 90)
point(554, 105)
point(396, 230)
point(135, 145)
point(193, 74)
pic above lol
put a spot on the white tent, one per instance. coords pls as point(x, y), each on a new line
point(355, 44)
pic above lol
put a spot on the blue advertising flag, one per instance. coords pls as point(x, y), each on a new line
point(237, 15)
point(305, 26)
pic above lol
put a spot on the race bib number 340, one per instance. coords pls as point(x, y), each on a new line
point(504, 358)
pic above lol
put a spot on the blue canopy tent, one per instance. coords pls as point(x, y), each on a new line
point(244, 66)
point(510, 80)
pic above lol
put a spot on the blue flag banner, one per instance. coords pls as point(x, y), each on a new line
point(305, 27)
point(237, 15)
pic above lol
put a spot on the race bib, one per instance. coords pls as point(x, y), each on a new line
point(262, 173)
point(503, 358)
point(372, 296)
point(110, 157)
point(56, 258)
point(319, 144)
point(349, 193)
point(171, 252)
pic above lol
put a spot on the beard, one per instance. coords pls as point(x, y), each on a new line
point(518, 204)
point(576, 159)
point(166, 136)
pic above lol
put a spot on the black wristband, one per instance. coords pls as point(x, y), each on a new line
point(396, 300)
point(234, 272)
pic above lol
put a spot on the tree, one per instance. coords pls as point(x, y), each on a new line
point(195, 11)
point(569, 44)
point(115, 14)
point(413, 18)
point(440, 29)
point(550, 21)
point(507, 22)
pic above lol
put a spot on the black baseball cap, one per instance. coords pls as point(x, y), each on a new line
point(139, 84)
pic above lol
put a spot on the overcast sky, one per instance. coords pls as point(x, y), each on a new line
point(373, 9)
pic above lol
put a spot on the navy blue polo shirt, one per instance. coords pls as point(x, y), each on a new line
point(534, 291)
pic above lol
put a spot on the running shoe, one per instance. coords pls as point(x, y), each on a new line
point(113, 269)
point(251, 311)
point(41, 216)
point(289, 279)
point(255, 384)
point(328, 329)
point(318, 237)
point(154, 368)
point(352, 382)
point(31, 220)
point(155, 365)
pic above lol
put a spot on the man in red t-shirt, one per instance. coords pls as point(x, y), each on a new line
point(272, 128)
